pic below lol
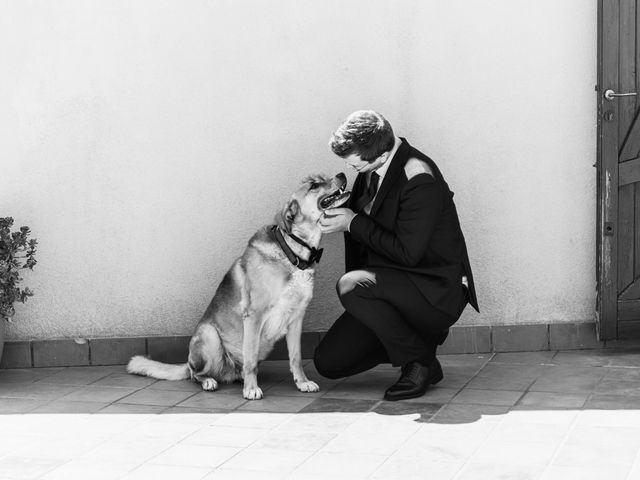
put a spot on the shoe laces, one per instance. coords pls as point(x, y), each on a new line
point(411, 372)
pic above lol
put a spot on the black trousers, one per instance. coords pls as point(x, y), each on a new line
point(386, 320)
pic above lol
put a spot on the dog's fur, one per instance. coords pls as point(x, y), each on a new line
point(262, 298)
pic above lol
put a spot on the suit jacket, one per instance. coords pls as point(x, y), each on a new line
point(413, 226)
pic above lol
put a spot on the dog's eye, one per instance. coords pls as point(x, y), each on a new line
point(314, 185)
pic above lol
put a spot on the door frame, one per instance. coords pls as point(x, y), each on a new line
point(607, 165)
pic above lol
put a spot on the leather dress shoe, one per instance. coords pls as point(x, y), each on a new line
point(414, 380)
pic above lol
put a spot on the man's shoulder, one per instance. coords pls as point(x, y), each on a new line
point(417, 166)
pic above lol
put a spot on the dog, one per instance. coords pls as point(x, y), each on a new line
point(262, 297)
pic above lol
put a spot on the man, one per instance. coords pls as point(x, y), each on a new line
point(408, 275)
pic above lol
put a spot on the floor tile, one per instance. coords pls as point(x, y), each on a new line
point(571, 379)
point(452, 413)
point(348, 465)
point(484, 471)
point(474, 360)
point(339, 405)
point(553, 400)
point(524, 358)
point(357, 391)
point(129, 453)
point(617, 455)
point(506, 377)
point(156, 430)
point(355, 441)
point(609, 386)
point(279, 404)
point(487, 397)
point(453, 443)
point(204, 456)
point(167, 472)
point(222, 436)
point(124, 380)
point(622, 373)
point(98, 394)
point(80, 375)
point(517, 432)
point(27, 467)
point(27, 375)
point(81, 469)
point(63, 406)
point(181, 385)
point(167, 398)
point(123, 408)
point(329, 422)
point(279, 461)
point(625, 358)
point(435, 394)
point(253, 419)
point(289, 389)
point(587, 472)
point(422, 411)
point(555, 416)
point(213, 400)
point(594, 358)
point(18, 405)
point(498, 451)
point(397, 468)
point(36, 391)
point(306, 441)
point(455, 381)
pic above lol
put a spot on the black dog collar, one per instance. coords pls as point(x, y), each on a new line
point(314, 256)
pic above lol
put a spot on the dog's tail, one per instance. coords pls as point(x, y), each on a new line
point(162, 371)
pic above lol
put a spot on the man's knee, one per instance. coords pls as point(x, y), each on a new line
point(356, 279)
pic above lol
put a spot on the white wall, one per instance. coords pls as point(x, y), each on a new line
point(145, 141)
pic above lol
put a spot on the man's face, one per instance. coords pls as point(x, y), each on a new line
point(361, 166)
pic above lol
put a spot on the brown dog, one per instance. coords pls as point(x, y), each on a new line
point(262, 298)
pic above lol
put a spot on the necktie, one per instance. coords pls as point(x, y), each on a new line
point(369, 193)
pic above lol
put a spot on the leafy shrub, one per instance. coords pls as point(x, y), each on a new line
point(16, 253)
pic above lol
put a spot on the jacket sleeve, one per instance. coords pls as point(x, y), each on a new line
point(421, 203)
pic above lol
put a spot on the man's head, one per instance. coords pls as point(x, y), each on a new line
point(363, 138)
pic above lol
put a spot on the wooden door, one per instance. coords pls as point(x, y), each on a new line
point(618, 236)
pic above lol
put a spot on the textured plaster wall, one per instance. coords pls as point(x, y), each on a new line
point(145, 141)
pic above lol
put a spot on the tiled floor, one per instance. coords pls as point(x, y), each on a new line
point(537, 415)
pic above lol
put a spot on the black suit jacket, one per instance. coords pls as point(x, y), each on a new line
point(413, 226)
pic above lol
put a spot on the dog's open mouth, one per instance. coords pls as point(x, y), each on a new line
point(335, 199)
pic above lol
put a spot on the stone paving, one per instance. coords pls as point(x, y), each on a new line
point(530, 415)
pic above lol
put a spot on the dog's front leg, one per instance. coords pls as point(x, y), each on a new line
point(250, 352)
point(294, 334)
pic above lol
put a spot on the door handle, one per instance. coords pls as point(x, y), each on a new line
point(610, 94)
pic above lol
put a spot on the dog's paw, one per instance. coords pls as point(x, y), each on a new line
point(209, 384)
point(252, 393)
point(308, 386)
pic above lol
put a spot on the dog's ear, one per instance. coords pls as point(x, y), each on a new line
point(287, 215)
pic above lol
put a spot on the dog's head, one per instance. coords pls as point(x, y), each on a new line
point(316, 194)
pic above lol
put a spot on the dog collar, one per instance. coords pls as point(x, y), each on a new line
point(314, 256)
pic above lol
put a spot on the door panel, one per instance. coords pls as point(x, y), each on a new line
point(618, 164)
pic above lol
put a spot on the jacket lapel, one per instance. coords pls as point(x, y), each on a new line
point(395, 169)
point(356, 191)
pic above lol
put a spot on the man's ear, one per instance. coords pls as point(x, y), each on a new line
point(288, 214)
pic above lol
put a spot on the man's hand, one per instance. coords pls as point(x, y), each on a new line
point(336, 220)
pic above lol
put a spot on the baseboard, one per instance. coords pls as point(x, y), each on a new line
point(173, 349)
